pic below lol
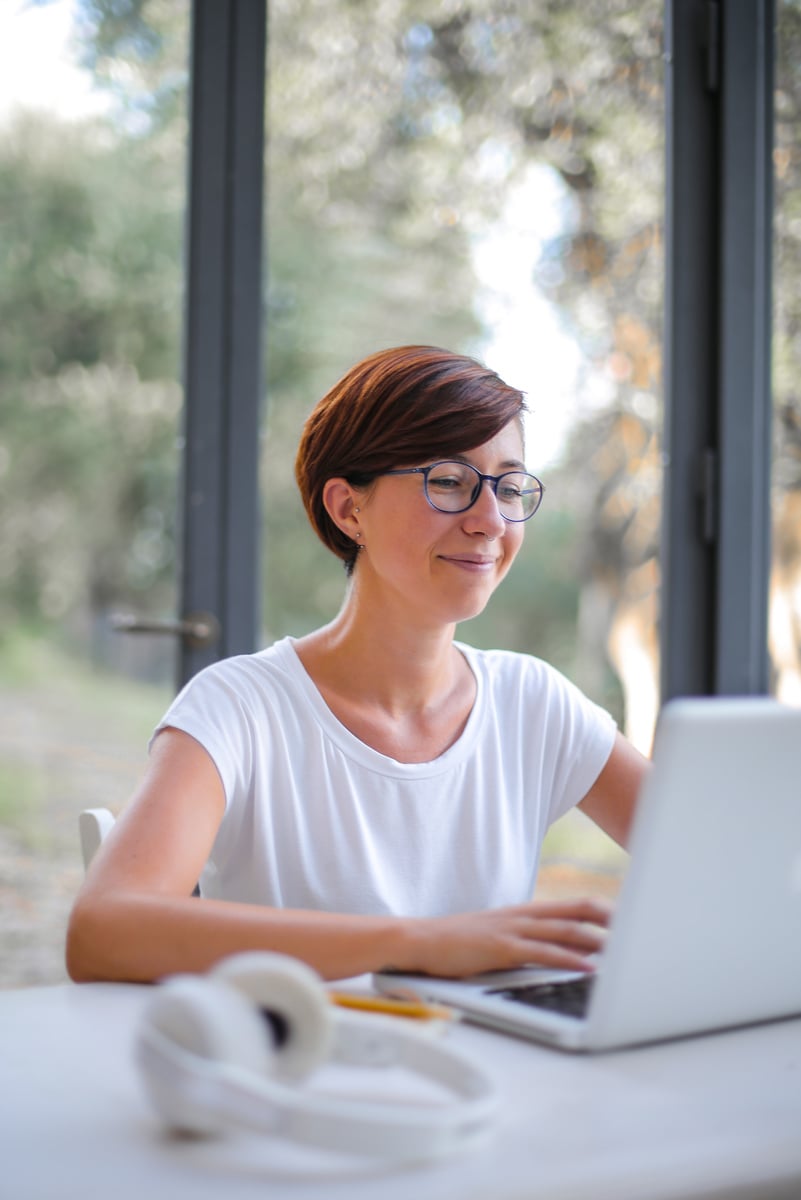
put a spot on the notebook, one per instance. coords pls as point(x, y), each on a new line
point(706, 933)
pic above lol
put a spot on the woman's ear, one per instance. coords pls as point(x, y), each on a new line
point(341, 504)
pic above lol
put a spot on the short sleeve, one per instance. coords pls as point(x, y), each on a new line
point(213, 710)
point(581, 735)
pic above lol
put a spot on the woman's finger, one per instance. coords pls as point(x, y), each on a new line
point(570, 934)
point(588, 909)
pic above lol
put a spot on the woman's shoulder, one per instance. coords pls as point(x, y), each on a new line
point(510, 676)
point(505, 666)
point(257, 675)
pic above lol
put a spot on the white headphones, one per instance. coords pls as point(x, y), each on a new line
point(229, 1049)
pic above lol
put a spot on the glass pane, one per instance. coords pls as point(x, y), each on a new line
point(785, 580)
point(486, 177)
point(92, 167)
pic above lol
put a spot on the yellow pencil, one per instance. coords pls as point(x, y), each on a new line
point(414, 1009)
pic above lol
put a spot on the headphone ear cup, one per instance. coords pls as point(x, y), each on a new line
point(293, 994)
point(189, 1019)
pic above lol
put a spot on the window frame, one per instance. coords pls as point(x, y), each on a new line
point(717, 436)
point(223, 320)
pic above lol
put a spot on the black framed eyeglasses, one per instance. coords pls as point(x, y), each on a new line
point(453, 487)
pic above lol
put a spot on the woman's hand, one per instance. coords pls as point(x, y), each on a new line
point(564, 934)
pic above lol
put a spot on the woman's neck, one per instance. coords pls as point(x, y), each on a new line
point(404, 690)
point(394, 667)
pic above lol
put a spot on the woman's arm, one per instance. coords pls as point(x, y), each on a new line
point(612, 799)
point(135, 918)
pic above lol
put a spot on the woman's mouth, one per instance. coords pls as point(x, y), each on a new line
point(477, 563)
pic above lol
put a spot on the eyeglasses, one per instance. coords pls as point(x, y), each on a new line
point(453, 487)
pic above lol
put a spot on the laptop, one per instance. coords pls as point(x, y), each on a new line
point(706, 933)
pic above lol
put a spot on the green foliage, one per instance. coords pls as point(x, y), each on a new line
point(90, 253)
point(74, 737)
point(21, 796)
point(138, 51)
point(33, 666)
point(82, 530)
point(90, 269)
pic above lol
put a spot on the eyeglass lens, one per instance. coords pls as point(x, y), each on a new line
point(454, 486)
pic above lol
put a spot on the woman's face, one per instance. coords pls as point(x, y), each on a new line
point(441, 566)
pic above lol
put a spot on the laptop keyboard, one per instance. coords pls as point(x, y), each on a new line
point(567, 996)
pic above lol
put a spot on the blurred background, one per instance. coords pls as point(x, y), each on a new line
point(486, 176)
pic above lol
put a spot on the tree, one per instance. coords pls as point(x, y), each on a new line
point(89, 325)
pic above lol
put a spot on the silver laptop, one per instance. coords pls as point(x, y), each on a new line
point(707, 929)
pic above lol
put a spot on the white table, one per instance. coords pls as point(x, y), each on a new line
point(713, 1117)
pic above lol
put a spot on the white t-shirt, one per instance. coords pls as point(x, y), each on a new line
point(317, 819)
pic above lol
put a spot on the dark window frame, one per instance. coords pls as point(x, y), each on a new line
point(220, 566)
point(717, 438)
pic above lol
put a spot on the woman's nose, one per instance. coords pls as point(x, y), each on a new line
point(484, 516)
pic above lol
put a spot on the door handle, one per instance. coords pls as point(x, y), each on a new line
point(198, 629)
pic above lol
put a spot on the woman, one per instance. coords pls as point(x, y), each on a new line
point(374, 794)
